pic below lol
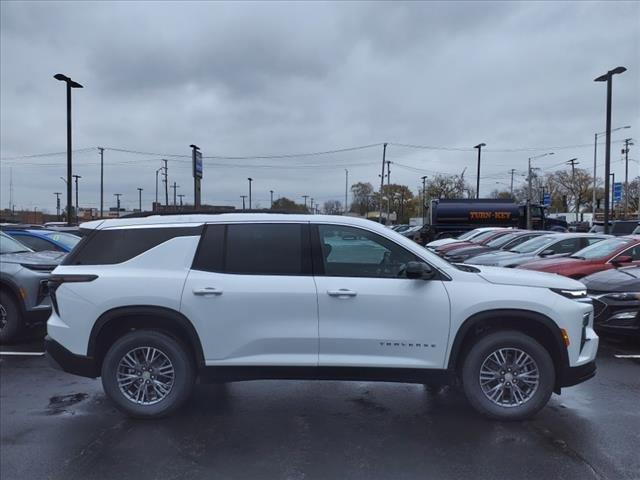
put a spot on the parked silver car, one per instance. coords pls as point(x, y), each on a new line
point(545, 246)
point(24, 298)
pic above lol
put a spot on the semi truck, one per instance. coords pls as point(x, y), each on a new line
point(450, 218)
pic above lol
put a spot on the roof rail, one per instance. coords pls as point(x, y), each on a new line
point(209, 212)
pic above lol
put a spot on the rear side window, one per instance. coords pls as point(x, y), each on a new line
point(38, 244)
point(108, 247)
point(255, 248)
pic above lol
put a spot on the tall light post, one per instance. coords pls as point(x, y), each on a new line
point(57, 194)
point(271, 192)
point(70, 84)
point(250, 182)
point(424, 196)
point(529, 170)
point(595, 166)
point(346, 190)
point(573, 162)
point(479, 147)
point(76, 177)
point(243, 199)
point(140, 199)
point(608, 77)
point(117, 195)
point(625, 150)
point(157, 171)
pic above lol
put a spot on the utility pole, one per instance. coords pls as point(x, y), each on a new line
point(627, 142)
point(613, 185)
point(271, 192)
point(57, 194)
point(250, 182)
point(312, 206)
point(157, 171)
point(76, 177)
point(479, 147)
point(243, 198)
point(117, 195)
point(346, 190)
point(384, 156)
point(608, 77)
point(529, 173)
point(424, 197)
point(388, 189)
point(305, 200)
point(512, 171)
point(175, 189)
point(573, 162)
point(166, 183)
point(181, 195)
point(11, 192)
point(140, 199)
point(101, 181)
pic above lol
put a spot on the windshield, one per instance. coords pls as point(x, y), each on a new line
point(503, 240)
point(67, 239)
point(601, 249)
point(533, 244)
point(482, 236)
point(11, 245)
point(469, 234)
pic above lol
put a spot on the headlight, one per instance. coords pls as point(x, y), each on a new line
point(625, 296)
point(572, 294)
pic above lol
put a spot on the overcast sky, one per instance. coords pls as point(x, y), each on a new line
point(251, 79)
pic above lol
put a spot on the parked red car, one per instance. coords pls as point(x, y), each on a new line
point(481, 239)
point(604, 255)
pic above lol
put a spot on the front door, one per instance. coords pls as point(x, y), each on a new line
point(371, 315)
point(252, 297)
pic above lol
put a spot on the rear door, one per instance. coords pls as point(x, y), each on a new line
point(371, 315)
point(252, 297)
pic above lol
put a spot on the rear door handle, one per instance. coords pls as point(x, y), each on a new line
point(343, 292)
point(207, 291)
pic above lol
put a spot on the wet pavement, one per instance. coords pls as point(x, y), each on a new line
point(58, 426)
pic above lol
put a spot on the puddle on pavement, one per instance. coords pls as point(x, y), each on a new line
point(60, 404)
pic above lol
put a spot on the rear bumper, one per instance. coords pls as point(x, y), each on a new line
point(63, 359)
point(575, 375)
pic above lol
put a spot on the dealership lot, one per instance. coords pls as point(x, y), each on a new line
point(58, 426)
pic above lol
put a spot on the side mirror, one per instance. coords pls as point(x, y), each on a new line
point(419, 270)
point(547, 252)
point(622, 259)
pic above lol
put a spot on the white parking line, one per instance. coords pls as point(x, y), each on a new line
point(26, 354)
point(627, 356)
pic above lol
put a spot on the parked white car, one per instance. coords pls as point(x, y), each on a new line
point(149, 304)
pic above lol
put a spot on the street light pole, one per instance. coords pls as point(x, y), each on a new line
point(573, 162)
point(529, 171)
point(140, 199)
point(479, 147)
point(627, 142)
point(346, 190)
point(70, 84)
point(57, 194)
point(117, 195)
point(243, 198)
point(595, 166)
point(424, 196)
point(250, 181)
point(76, 177)
point(271, 192)
point(101, 181)
point(384, 156)
point(607, 77)
point(157, 171)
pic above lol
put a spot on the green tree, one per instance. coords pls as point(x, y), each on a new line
point(283, 203)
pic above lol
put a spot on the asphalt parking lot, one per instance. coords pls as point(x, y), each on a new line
point(58, 426)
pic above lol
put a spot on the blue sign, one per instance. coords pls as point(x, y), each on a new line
point(197, 164)
point(617, 192)
point(546, 200)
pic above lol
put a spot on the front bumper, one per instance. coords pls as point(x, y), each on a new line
point(63, 359)
point(575, 375)
point(37, 315)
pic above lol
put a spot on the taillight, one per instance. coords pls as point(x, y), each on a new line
point(56, 280)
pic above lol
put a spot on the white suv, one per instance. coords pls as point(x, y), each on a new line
point(150, 304)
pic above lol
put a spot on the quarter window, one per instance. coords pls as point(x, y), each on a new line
point(353, 252)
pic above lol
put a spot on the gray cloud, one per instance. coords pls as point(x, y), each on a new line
point(250, 78)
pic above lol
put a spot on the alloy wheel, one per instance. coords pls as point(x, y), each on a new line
point(145, 375)
point(509, 377)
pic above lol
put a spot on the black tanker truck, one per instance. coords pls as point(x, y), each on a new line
point(450, 218)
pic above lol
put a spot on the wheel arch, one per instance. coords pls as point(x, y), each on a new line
point(116, 322)
point(539, 326)
point(7, 285)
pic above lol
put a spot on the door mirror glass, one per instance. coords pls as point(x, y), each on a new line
point(419, 270)
point(547, 252)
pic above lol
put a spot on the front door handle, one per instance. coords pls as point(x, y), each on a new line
point(207, 291)
point(343, 292)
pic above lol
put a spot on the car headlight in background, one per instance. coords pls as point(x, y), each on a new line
point(572, 294)
point(624, 296)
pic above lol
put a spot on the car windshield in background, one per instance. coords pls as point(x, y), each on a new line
point(601, 249)
point(468, 234)
point(503, 240)
point(67, 239)
point(533, 244)
point(482, 236)
point(11, 245)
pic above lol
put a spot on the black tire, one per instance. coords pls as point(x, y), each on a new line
point(11, 322)
point(482, 349)
point(174, 351)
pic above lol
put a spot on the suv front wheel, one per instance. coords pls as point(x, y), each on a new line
point(148, 374)
point(508, 375)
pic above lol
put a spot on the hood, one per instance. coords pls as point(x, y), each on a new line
point(526, 278)
point(470, 249)
point(614, 280)
point(34, 258)
point(497, 258)
point(538, 264)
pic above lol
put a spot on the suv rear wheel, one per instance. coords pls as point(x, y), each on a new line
point(10, 318)
point(148, 374)
point(508, 375)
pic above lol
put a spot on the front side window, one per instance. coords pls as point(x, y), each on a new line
point(568, 245)
point(633, 252)
point(353, 252)
point(10, 245)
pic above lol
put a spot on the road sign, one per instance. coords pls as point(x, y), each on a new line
point(546, 199)
point(197, 164)
point(617, 192)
